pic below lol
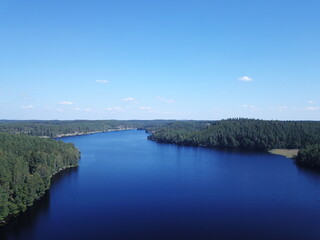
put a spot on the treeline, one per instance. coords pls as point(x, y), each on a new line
point(246, 134)
point(53, 129)
point(183, 126)
point(26, 166)
point(309, 156)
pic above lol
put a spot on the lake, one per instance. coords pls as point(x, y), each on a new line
point(127, 187)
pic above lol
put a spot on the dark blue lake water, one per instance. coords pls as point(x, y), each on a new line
point(127, 187)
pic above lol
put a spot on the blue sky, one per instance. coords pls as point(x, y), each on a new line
point(145, 59)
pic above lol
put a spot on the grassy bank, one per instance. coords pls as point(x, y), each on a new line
point(289, 153)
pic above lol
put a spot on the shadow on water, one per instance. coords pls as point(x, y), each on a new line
point(308, 172)
point(216, 149)
point(21, 224)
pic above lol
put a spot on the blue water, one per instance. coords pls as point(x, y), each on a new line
point(127, 187)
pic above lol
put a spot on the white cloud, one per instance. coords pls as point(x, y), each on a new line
point(88, 110)
point(116, 109)
point(166, 100)
point(248, 106)
point(102, 81)
point(280, 108)
point(66, 103)
point(145, 108)
point(245, 79)
point(27, 107)
point(311, 102)
point(312, 108)
point(129, 99)
point(252, 107)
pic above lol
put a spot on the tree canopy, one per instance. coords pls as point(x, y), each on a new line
point(246, 134)
point(309, 156)
point(55, 128)
point(26, 166)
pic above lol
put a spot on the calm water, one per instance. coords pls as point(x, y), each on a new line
point(127, 187)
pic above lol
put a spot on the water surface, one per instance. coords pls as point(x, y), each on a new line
point(127, 187)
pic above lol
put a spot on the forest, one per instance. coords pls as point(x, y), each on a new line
point(309, 156)
point(55, 128)
point(26, 166)
point(247, 134)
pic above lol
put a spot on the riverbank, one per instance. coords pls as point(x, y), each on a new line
point(5, 221)
point(289, 153)
point(88, 133)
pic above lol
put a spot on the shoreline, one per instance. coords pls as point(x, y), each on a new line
point(7, 219)
point(288, 153)
point(285, 152)
point(87, 133)
point(11, 217)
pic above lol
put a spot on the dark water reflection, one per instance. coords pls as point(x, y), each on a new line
point(22, 226)
point(130, 188)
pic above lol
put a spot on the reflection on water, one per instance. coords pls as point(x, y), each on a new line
point(20, 226)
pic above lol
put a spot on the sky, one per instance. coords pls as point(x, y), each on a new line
point(166, 59)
